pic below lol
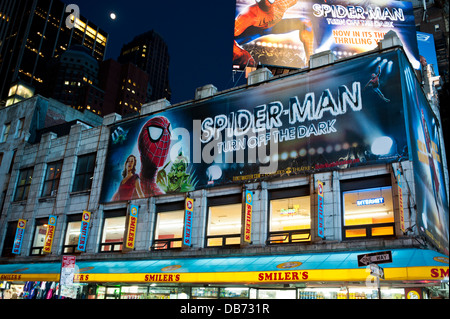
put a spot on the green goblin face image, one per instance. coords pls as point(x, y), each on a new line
point(177, 179)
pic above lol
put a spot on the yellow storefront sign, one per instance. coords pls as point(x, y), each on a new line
point(256, 277)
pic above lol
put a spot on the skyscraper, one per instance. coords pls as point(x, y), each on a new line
point(32, 32)
point(149, 52)
point(125, 87)
point(76, 80)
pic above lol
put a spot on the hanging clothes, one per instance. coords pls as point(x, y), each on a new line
point(51, 290)
point(35, 290)
point(27, 289)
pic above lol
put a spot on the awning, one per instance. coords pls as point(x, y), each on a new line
point(407, 265)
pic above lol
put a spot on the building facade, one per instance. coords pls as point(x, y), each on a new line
point(147, 216)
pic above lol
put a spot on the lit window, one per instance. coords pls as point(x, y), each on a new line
point(40, 230)
point(169, 226)
point(289, 216)
point(72, 234)
point(368, 212)
point(113, 230)
point(224, 221)
point(52, 176)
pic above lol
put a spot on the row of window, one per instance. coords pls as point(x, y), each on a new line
point(367, 212)
point(82, 180)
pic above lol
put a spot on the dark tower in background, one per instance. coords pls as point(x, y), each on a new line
point(125, 87)
point(76, 80)
point(149, 52)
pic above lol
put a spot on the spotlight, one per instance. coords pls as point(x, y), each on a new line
point(382, 145)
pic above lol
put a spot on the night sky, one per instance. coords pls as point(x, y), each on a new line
point(199, 35)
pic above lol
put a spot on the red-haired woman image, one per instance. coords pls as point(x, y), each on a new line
point(129, 187)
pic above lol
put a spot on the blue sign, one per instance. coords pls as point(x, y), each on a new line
point(85, 221)
point(189, 212)
point(19, 236)
point(320, 214)
point(425, 42)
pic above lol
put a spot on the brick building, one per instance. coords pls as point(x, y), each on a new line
point(188, 227)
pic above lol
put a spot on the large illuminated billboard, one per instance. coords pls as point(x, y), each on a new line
point(287, 32)
point(430, 188)
point(318, 120)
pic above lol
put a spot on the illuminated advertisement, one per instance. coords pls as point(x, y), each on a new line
point(188, 219)
point(400, 201)
point(427, 50)
point(248, 216)
point(320, 213)
point(287, 32)
point(84, 230)
point(325, 119)
point(132, 224)
point(431, 196)
point(19, 236)
point(49, 234)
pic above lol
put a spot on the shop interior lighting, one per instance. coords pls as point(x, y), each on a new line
point(302, 220)
point(168, 225)
point(115, 229)
point(225, 226)
point(365, 214)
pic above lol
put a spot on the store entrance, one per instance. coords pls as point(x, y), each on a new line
point(276, 294)
point(108, 292)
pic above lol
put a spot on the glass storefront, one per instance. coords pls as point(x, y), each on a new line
point(49, 290)
point(276, 294)
point(205, 292)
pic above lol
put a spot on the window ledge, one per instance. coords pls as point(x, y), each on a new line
point(80, 193)
point(47, 198)
point(20, 202)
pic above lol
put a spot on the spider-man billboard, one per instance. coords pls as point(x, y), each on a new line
point(431, 193)
point(287, 32)
point(347, 115)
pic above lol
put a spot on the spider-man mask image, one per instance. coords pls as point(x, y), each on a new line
point(265, 4)
point(154, 145)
